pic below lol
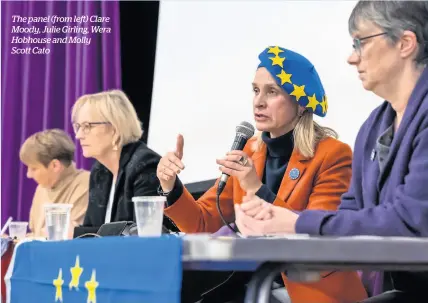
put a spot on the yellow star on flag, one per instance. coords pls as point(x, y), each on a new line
point(58, 284)
point(298, 92)
point(285, 78)
point(277, 61)
point(313, 102)
point(91, 286)
point(76, 272)
point(324, 104)
point(275, 50)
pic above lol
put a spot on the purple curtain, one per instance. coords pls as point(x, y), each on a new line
point(38, 90)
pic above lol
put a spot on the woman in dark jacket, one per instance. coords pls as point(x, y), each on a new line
point(109, 131)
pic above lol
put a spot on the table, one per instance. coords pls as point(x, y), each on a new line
point(302, 256)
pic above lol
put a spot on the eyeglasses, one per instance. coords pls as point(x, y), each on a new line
point(86, 126)
point(357, 42)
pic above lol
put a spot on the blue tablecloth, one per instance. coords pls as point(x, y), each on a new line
point(103, 270)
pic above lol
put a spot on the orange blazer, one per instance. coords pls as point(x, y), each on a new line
point(321, 182)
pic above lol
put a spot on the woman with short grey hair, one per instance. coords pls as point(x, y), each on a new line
point(388, 195)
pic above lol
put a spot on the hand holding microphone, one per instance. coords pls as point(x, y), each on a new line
point(170, 166)
point(237, 163)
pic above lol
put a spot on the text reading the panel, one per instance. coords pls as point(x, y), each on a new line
point(36, 35)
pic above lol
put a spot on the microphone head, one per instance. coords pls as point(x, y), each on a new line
point(245, 129)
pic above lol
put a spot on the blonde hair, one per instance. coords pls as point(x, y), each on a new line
point(115, 107)
point(307, 134)
point(46, 146)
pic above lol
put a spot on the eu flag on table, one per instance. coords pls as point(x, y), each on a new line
point(98, 270)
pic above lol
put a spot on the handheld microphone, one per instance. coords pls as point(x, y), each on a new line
point(244, 131)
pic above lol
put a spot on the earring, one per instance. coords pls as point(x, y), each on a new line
point(114, 146)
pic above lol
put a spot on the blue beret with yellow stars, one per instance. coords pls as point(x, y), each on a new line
point(297, 76)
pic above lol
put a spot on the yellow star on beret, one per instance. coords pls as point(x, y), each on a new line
point(298, 92)
point(313, 102)
point(277, 61)
point(275, 50)
point(285, 78)
point(324, 104)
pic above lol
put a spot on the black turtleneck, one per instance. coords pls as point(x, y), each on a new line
point(278, 154)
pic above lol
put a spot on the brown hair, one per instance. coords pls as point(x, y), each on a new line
point(47, 145)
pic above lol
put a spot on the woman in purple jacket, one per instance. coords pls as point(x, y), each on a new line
point(388, 195)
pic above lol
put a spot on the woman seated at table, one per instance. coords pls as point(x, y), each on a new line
point(294, 163)
point(49, 156)
point(388, 195)
point(108, 129)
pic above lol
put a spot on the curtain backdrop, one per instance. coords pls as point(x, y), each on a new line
point(38, 90)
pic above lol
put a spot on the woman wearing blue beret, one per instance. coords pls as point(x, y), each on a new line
point(388, 195)
point(292, 162)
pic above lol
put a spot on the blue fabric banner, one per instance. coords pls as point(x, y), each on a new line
point(98, 270)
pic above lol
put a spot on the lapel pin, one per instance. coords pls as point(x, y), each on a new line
point(373, 155)
point(294, 174)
